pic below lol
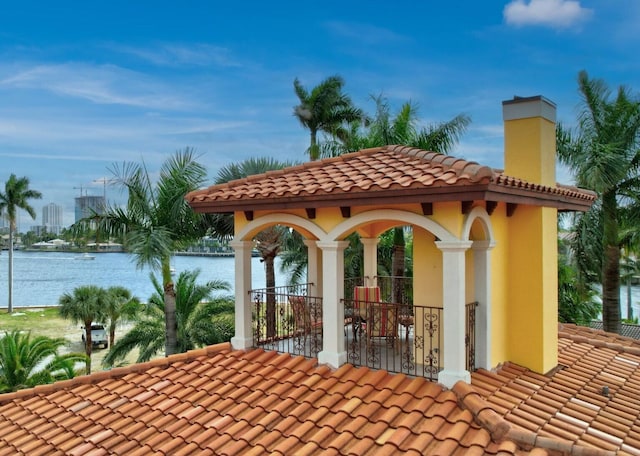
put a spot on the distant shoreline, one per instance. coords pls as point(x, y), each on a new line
point(196, 254)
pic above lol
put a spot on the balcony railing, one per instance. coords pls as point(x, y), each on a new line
point(397, 337)
point(394, 337)
point(287, 319)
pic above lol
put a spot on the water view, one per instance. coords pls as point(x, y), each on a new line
point(40, 278)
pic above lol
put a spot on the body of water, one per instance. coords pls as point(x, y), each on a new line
point(40, 278)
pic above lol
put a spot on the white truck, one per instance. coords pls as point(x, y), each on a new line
point(98, 336)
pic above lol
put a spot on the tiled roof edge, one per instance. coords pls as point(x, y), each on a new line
point(99, 376)
point(481, 410)
point(297, 167)
point(571, 191)
point(500, 429)
point(633, 350)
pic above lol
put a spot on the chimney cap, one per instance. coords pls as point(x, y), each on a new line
point(527, 107)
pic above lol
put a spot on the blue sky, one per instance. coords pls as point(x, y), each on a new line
point(84, 85)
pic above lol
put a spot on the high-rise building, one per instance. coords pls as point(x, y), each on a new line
point(52, 218)
point(88, 205)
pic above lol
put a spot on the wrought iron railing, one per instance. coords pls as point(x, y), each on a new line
point(287, 319)
point(394, 337)
point(397, 337)
point(470, 335)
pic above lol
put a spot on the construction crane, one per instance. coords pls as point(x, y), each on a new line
point(81, 187)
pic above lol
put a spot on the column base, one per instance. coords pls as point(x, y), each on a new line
point(241, 343)
point(450, 378)
point(333, 359)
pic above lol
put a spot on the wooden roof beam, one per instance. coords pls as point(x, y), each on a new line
point(466, 206)
point(491, 206)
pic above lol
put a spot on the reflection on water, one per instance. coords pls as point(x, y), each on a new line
point(39, 279)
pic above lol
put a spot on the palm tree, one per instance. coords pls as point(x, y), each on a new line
point(16, 196)
point(268, 241)
point(403, 129)
point(120, 304)
point(324, 109)
point(157, 220)
point(86, 305)
point(201, 321)
point(26, 362)
point(604, 156)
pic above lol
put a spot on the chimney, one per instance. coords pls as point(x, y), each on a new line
point(532, 239)
point(530, 139)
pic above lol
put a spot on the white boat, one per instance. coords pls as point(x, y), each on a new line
point(86, 256)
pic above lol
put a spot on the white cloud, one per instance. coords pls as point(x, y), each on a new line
point(551, 13)
point(105, 84)
point(364, 33)
point(178, 55)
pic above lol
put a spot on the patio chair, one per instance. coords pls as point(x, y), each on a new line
point(363, 297)
point(382, 323)
point(306, 318)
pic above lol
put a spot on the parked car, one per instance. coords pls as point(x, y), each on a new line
point(98, 336)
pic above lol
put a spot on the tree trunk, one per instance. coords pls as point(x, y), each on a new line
point(271, 297)
point(171, 338)
point(314, 152)
point(610, 266)
point(397, 265)
point(88, 343)
point(10, 303)
point(112, 335)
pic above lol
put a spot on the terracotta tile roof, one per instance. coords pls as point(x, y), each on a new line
point(224, 402)
point(591, 399)
point(376, 176)
point(626, 329)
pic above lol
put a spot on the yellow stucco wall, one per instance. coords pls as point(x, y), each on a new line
point(525, 139)
point(427, 270)
point(499, 280)
point(532, 310)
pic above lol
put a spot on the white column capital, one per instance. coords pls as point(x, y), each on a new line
point(332, 245)
point(310, 242)
point(454, 246)
point(239, 244)
point(367, 241)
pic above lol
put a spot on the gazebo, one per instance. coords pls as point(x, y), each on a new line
point(480, 235)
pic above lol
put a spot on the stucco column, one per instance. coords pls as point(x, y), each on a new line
point(453, 294)
point(370, 247)
point(243, 338)
point(312, 268)
point(482, 287)
point(333, 352)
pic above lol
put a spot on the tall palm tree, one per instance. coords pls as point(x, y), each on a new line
point(157, 220)
point(324, 109)
point(403, 129)
point(27, 361)
point(201, 320)
point(604, 156)
point(268, 241)
point(86, 305)
point(16, 196)
point(120, 304)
